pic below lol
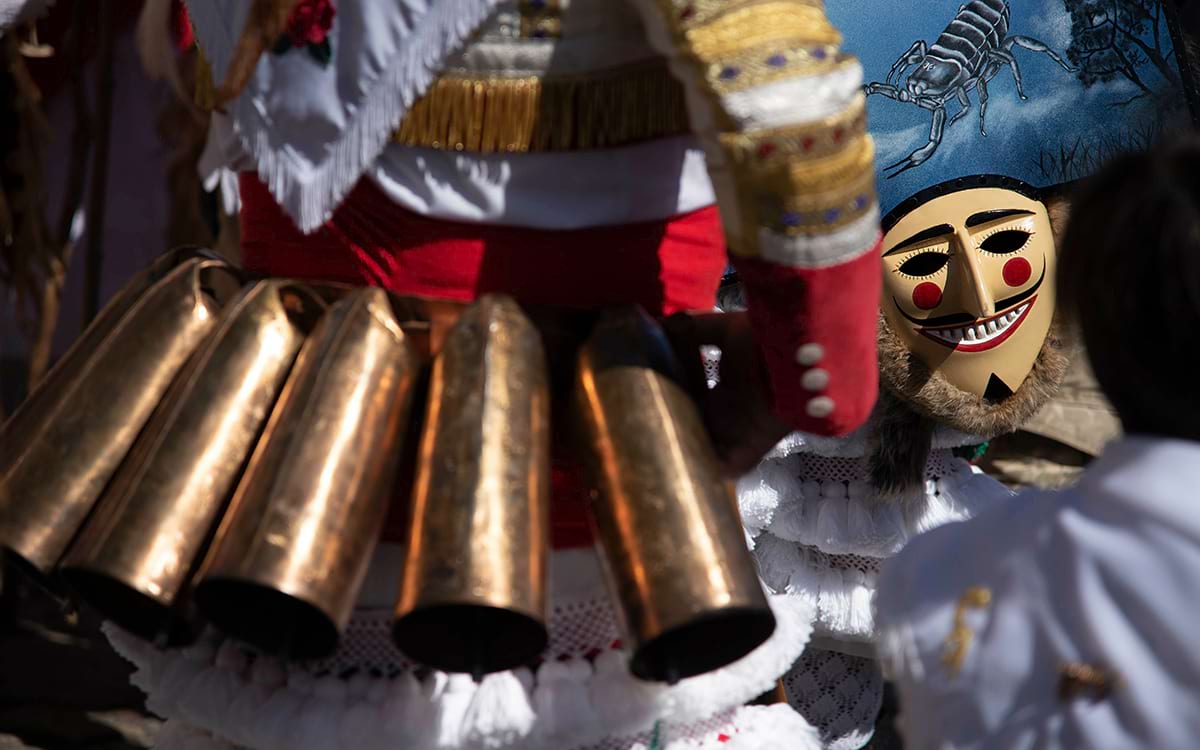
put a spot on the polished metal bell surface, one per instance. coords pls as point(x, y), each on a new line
point(670, 537)
point(473, 596)
point(47, 396)
point(138, 550)
point(292, 551)
point(53, 472)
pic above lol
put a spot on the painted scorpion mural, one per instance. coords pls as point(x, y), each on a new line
point(968, 54)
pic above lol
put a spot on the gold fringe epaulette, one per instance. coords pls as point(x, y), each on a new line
point(530, 113)
point(603, 110)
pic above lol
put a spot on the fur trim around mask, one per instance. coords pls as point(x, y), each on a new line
point(932, 396)
point(913, 400)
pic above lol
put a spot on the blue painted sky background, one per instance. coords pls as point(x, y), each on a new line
point(1059, 111)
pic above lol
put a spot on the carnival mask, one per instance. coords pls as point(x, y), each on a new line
point(969, 286)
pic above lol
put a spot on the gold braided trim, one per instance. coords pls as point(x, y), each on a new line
point(954, 649)
point(799, 174)
point(489, 115)
point(688, 14)
point(750, 69)
point(765, 149)
point(793, 224)
point(802, 196)
point(761, 27)
point(816, 213)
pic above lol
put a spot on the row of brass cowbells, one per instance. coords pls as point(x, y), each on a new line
point(221, 451)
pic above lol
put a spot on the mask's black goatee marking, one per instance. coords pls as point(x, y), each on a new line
point(997, 390)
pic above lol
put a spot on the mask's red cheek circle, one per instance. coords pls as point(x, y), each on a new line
point(1017, 271)
point(927, 295)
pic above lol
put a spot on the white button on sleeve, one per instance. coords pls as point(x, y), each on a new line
point(815, 379)
point(821, 406)
point(810, 354)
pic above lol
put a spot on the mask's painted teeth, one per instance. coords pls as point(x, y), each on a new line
point(981, 333)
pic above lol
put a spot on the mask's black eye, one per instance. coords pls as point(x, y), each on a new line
point(924, 264)
point(1008, 241)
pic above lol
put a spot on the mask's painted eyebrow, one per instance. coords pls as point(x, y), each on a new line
point(984, 217)
point(941, 230)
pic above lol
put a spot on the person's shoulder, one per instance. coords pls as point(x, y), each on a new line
point(953, 598)
point(945, 577)
point(935, 565)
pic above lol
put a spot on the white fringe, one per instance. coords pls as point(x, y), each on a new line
point(759, 494)
point(843, 599)
point(211, 686)
point(847, 519)
point(310, 198)
point(499, 713)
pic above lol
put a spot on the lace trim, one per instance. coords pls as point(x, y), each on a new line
point(217, 686)
point(825, 502)
point(578, 629)
point(854, 445)
point(839, 694)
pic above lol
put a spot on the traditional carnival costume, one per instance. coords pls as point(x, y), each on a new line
point(967, 345)
point(451, 150)
point(1052, 621)
point(827, 513)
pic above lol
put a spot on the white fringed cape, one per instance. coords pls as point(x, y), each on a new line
point(312, 130)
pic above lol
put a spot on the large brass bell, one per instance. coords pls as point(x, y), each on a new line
point(48, 395)
point(473, 596)
point(138, 550)
point(74, 433)
point(670, 537)
point(293, 549)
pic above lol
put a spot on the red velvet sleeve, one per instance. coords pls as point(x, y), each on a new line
point(816, 329)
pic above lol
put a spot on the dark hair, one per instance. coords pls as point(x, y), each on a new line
point(1129, 275)
point(958, 184)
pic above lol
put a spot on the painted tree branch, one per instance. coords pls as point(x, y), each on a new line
point(1154, 56)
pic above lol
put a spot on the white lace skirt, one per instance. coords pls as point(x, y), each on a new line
point(821, 535)
point(219, 693)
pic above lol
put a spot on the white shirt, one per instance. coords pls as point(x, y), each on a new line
point(1106, 574)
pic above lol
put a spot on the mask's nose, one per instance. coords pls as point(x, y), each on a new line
point(976, 295)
